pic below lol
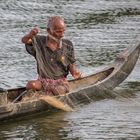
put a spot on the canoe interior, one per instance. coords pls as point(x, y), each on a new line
point(74, 85)
point(90, 80)
point(10, 95)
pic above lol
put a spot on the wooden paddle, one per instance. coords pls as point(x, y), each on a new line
point(56, 103)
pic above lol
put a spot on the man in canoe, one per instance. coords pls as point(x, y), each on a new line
point(55, 58)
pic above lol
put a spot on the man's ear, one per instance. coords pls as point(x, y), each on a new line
point(48, 30)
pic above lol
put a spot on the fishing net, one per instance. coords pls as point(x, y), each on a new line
point(48, 71)
point(41, 60)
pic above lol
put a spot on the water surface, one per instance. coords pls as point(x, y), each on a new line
point(100, 30)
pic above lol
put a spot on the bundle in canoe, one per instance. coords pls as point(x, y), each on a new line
point(80, 90)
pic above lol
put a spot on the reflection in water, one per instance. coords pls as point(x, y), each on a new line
point(38, 127)
point(108, 119)
point(114, 118)
point(135, 86)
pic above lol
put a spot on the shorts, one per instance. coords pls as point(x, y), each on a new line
point(55, 87)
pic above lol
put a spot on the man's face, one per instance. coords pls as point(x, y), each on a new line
point(58, 30)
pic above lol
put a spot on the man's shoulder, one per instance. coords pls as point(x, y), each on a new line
point(67, 42)
point(41, 38)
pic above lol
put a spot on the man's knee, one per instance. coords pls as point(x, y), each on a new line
point(58, 90)
point(36, 85)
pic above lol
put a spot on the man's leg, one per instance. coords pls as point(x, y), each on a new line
point(34, 84)
point(61, 89)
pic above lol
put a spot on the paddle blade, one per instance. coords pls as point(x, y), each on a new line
point(56, 103)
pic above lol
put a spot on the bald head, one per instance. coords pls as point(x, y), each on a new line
point(56, 27)
point(55, 22)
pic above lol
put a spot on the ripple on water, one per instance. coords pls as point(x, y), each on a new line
point(108, 119)
point(100, 30)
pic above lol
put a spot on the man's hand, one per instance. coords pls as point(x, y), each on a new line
point(34, 32)
point(77, 75)
point(27, 39)
point(74, 72)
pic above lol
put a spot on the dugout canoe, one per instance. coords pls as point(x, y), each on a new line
point(90, 87)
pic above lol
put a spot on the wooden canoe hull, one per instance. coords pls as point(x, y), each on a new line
point(91, 87)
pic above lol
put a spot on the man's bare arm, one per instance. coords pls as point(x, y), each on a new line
point(74, 72)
